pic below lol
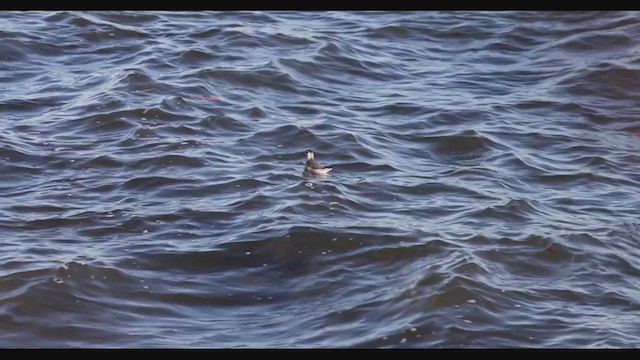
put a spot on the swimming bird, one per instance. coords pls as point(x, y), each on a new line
point(313, 166)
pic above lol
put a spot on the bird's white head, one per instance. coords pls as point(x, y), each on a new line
point(310, 154)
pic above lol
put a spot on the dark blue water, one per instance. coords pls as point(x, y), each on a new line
point(484, 192)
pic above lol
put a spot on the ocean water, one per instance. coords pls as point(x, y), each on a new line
point(484, 192)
